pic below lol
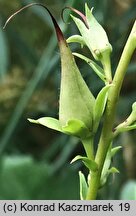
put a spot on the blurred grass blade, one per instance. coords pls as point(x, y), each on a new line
point(4, 60)
point(40, 12)
point(41, 72)
point(22, 46)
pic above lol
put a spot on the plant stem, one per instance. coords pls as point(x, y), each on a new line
point(107, 134)
point(107, 67)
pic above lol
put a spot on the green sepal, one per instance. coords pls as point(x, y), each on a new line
point(48, 122)
point(96, 68)
point(77, 128)
point(90, 164)
point(99, 106)
point(83, 186)
point(76, 39)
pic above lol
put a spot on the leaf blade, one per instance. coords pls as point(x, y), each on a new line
point(90, 164)
point(48, 122)
point(96, 68)
point(99, 106)
point(83, 186)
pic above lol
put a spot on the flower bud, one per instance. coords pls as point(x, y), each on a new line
point(76, 100)
point(93, 35)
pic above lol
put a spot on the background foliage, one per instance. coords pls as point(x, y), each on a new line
point(34, 161)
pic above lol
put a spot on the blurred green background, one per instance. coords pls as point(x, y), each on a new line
point(35, 161)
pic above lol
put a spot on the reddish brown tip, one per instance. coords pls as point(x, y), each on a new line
point(77, 12)
point(57, 28)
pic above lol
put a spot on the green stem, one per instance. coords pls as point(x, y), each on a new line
point(107, 134)
point(88, 146)
point(107, 67)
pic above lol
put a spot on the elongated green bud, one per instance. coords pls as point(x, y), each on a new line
point(76, 100)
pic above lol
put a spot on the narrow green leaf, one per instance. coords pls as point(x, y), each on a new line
point(105, 170)
point(96, 68)
point(122, 128)
point(77, 128)
point(76, 39)
point(131, 127)
point(115, 150)
point(90, 164)
point(48, 122)
point(99, 106)
point(83, 186)
point(113, 170)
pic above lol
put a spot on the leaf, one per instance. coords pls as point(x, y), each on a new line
point(77, 128)
point(90, 164)
point(83, 186)
point(106, 171)
point(99, 106)
point(120, 128)
point(76, 39)
point(131, 127)
point(96, 68)
point(115, 150)
point(113, 170)
point(48, 122)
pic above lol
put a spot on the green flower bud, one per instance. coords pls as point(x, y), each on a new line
point(95, 38)
point(76, 100)
point(93, 34)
